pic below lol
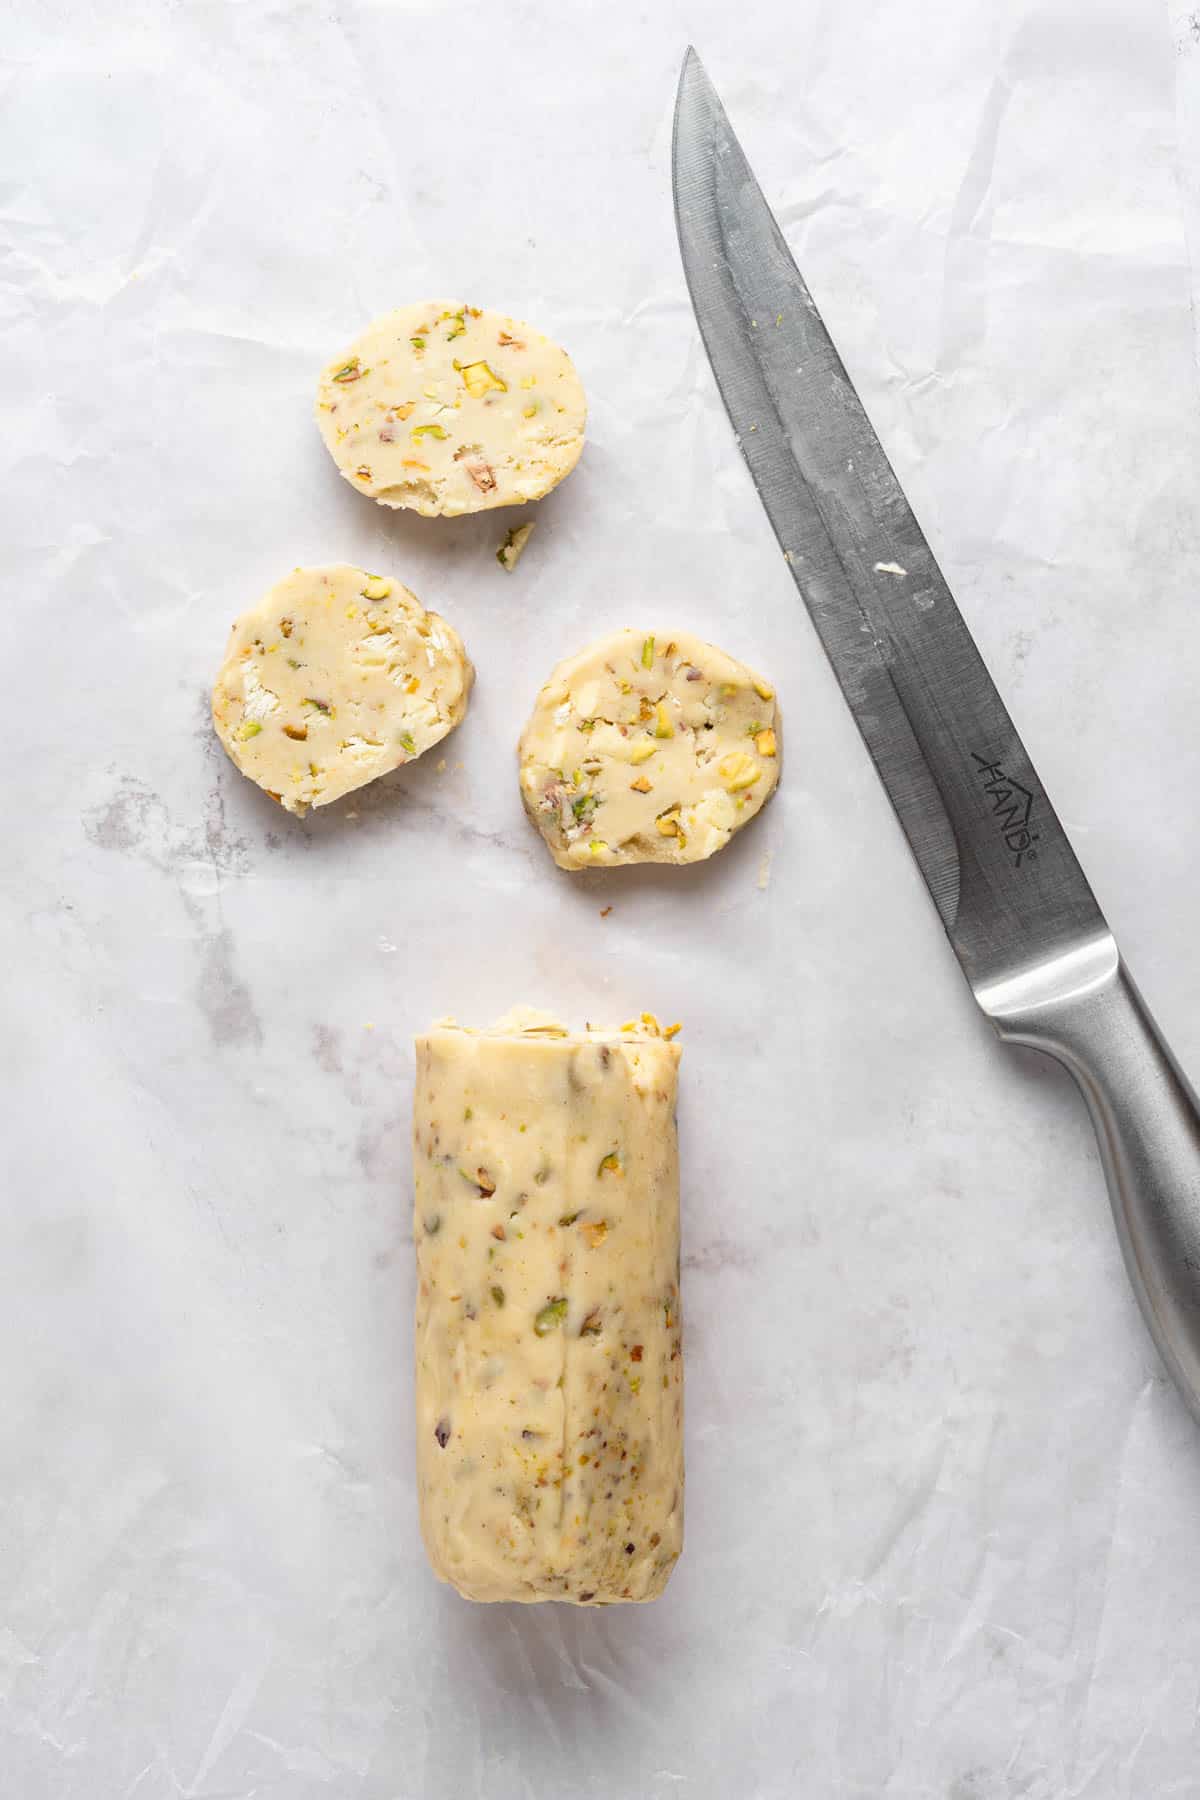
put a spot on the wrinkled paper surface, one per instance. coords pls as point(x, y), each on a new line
point(943, 1507)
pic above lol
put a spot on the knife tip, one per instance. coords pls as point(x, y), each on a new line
point(695, 81)
point(691, 70)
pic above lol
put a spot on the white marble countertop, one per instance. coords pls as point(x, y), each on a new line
point(943, 1505)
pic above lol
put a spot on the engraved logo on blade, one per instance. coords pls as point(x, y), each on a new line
point(1012, 807)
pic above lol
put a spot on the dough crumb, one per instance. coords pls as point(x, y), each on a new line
point(509, 553)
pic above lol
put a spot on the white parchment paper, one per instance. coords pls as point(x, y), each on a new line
point(944, 1510)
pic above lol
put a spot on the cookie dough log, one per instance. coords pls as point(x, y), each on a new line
point(447, 409)
point(648, 747)
point(335, 677)
point(549, 1397)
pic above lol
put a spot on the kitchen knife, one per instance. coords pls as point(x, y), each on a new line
point(1021, 918)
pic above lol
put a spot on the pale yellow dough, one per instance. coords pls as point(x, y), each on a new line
point(648, 747)
point(335, 677)
point(447, 409)
point(549, 1377)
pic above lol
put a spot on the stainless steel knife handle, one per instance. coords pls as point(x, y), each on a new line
point(1087, 1013)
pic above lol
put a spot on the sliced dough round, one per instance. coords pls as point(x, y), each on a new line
point(447, 409)
point(648, 748)
point(335, 677)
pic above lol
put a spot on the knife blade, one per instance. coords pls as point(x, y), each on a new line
point(1015, 904)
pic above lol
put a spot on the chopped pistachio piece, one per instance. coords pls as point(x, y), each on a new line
point(648, 653)
point(550, 1317)
point(738, 770)
point(479, 379)
point(377, 588)
point(764, 743)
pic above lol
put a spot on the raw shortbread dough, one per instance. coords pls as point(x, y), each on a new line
point(334, 678)
point(549, 1378)
point(648, 748)
point(447, 409)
